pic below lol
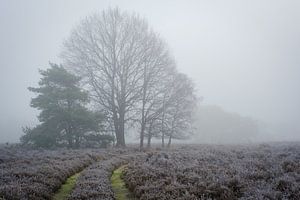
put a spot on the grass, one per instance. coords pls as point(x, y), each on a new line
point(66, 188)
point(118, 185)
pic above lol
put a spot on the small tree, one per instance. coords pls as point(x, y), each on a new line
point(63, 117)
point(178, 106)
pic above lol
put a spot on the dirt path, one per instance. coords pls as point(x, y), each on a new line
point(119, 187)
point(66, 188)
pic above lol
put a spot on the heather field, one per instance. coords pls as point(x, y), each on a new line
point(38, 174)
point(266, 171)
point(218, 172)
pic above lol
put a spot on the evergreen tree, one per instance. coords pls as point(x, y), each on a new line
point(63, 117)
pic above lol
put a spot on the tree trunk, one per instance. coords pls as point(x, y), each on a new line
point(163, 140)
point(142, 133)
point(162, 131)
point(119, 139)
point(163, 124)
point(170, 139)
point(117, 130)
point(114, 140)
point(143, 122)
point(69, 130)
point(149, 141)
point(69, 135)
point(121, 132)
point(77, 141)
point(149, 136)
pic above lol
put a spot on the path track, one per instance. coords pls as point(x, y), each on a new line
point(66, 188)
point(119, 186)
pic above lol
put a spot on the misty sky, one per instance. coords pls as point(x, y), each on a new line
point(243, 55)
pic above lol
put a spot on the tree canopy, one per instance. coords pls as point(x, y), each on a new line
point(64, 117)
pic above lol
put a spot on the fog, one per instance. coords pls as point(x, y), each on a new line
point(243, 56)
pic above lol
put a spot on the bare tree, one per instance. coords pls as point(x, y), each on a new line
point(179, 104)
point(114, 52)
point(153, 130)
point(153, 85)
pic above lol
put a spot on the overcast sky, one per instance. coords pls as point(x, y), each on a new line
point(243, 55)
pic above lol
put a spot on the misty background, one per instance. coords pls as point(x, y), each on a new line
point(244, 56)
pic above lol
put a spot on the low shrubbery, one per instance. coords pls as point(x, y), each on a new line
point(218, 172)
point(38, 174)
point(191, 172)
point(94, 182)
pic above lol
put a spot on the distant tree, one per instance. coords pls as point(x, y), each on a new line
point(171, 116)
point(179, 108)
point(152, 130)
point(215, 125)
point(63, 117)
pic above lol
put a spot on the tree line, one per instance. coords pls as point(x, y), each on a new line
point(127, 72)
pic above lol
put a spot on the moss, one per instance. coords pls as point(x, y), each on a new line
point(66, 188)
point(118, 185)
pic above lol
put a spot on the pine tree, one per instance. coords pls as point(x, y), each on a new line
point(64, 117)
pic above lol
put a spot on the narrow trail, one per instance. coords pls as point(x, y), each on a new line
point(66, 188)
point(118, 185)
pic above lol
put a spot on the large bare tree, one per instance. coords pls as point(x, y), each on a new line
point(119, 57)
